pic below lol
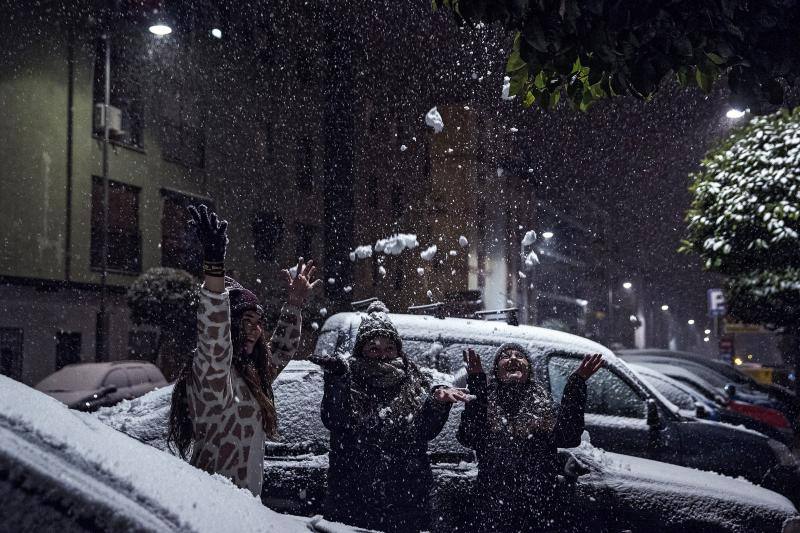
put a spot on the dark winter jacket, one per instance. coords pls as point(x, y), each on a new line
point(379, 475)
point(517, 471)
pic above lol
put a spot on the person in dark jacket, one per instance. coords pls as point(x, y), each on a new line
point(515, 429)
point(381, 413)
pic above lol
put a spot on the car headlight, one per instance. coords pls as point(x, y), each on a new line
point(782, 453)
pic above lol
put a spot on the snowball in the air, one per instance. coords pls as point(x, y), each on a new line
point(348, 288)
point(529, 238)
point(434, 120)
point(506, 89)
point(428, 253)
point(323, 311)
point(403, 147)
point(531, 259)
point(463, 241)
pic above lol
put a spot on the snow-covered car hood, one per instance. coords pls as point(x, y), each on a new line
point(126, 472)
point(704, 494)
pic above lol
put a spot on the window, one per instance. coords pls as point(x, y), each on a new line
point(267, 234)
point(179, 245)
point(304, 164)
point(11, 352)
point(124, 239)
point(183, 138)
point(68, 348)
point(305, 240)
point(117, 378)
point(137, 376)
point(674, 394)
point(607, 394)
point(127, 92)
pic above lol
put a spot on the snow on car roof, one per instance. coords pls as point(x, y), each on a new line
point(679, 372)
point(190, 498)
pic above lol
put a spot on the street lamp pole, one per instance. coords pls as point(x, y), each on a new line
point(101, 350)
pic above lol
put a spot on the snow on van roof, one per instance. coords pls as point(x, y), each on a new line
point(129, 471)
point(474, 330)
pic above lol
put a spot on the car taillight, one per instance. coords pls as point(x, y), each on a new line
point(764, 414)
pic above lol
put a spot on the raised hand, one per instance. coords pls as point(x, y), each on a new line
point(335, 365)
point(301, 285)
point(472, 361)
point(589, 365)
point(450, 395)
point(211, 232)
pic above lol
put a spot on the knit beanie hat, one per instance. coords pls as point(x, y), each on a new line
point(376, 323)
point(241, 299)
point(509, 346)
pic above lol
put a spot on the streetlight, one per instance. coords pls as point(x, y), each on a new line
point(665, 307)
point(163, 29)
point(101, 349)
point(690, 322)
point(707, 332)
point(547, 235)
point(627, 285)
point(706, 339)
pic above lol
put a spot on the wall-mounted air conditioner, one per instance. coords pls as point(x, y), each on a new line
point(114, 120)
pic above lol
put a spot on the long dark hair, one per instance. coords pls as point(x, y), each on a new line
point(257, 371)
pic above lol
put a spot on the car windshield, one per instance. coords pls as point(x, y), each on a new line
point(74, 378)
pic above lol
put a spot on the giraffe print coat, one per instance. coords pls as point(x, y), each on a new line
point(229, 437)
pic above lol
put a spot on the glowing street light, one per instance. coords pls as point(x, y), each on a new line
point(690, 322)
point(734, 113)
point(162, 29)
point(548, 234)
point(707, 332)
point(665, 307)
point(627, 285)
point(706, 339)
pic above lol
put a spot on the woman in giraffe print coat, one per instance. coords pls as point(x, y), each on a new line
point(222, 404)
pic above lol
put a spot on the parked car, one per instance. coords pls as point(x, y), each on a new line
point(624, 414)
point(89, 386)
point(772, 395)
point(63, 470)
point(614, 492)
point(694, 404)
point(756, 416)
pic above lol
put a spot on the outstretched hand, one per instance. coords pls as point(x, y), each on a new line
point(301, 285)
point(450, 395)
point(211, 232)
point(472, 361)
point(589, 365)
point(335, 365)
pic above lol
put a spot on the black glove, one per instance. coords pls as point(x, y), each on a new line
point(335, 365)
point(212, 234)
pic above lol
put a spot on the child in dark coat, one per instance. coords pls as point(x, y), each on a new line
point(515, 429)
point(381, 413)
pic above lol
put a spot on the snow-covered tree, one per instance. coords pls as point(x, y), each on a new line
point(744, 221)
point(167, 298)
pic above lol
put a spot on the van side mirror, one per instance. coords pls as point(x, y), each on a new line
point(653, 418)
point(730, 390)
